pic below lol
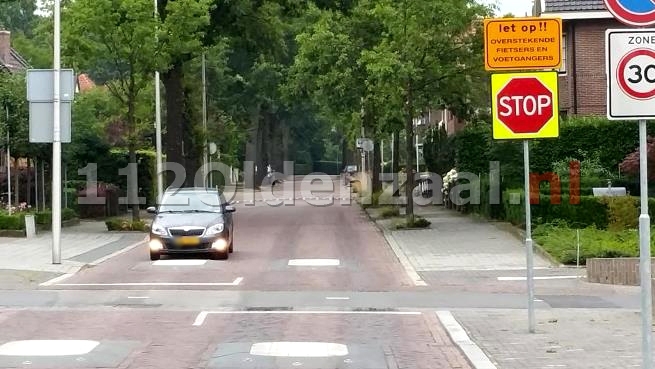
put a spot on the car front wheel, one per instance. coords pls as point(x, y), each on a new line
point(217, 255)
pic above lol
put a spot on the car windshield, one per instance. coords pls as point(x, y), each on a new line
point(190, 202)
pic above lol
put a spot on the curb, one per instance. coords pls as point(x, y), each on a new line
point(94, 263)
point(412, 274)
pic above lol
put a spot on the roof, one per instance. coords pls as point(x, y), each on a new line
point(15, 62)
point(85, 83)
point(556, 6)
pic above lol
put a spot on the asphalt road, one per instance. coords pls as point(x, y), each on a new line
point(353, 306)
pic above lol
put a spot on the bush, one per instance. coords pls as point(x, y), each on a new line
point(389, 212)
point(45, 217)
point(12, 222)
point(119, 224)
point(561, 243)
point(419, 222)
point(623, 212)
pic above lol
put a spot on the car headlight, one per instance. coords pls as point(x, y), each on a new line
point(159, 230)
point(214, 230)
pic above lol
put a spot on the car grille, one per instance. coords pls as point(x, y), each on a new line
point(189, 232)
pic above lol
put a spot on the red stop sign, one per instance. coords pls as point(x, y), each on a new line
point(525, 105)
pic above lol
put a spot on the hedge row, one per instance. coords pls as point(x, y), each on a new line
point(17, 221)
point(616, 213)
point(610, 141)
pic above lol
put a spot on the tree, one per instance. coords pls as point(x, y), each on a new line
point(630, 165)
point(18, 15)
point(427, 46)
point(120, 32)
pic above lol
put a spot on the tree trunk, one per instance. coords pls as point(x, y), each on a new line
point(249, 179)
point(28, 188)
point(377, 160)
point(174, 120)
point(193, 149)
point(396, 162)
point(260, 158)
point(132, 178)
point(409, 146)
point(16, 188)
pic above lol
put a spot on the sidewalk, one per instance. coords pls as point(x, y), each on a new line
point(80, 245)
point(456, 242)
point(564, 338)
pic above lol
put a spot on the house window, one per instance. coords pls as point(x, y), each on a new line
point(562, 69)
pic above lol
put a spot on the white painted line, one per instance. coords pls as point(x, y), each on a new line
point(200, 318)
point(337, 298)
point(236, 282)
point(138, 297)
point(537, 300)
point(180, 262)
point(407, 265)
point(57, 279)
point(314, 262)
point(121, 251)
point(539, 278)
point(47, 348)
point(298, 349)
point(476, 356)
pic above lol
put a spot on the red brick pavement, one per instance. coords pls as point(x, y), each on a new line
point(167, 339)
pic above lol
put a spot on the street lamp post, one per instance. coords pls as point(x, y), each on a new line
point(56, 144)
point(158, 149)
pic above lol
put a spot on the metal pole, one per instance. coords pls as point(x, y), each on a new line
point(36, 185)
point(65, 186)
point(158, 143)
point(43, 185)
point(417, 156)
point(577, 263)
point(56, 144)
point(528, 237)
point(393, 137)
point(644, 253)
point(204, 118)
point(382, 156)
point(8, 163)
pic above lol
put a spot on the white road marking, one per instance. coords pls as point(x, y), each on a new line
point(57, 279)
point(407, 265)
point(537, 300)
point(47, 348)
point(298, 349)
point(539, 278)
point(475, 355)
point(180, 262)
point(121, 251)
point(337, 298)
point(200, 318)
point(236, 282)
point(138, 297)
point(314, 262)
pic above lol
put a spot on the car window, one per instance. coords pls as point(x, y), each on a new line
point(187, 201)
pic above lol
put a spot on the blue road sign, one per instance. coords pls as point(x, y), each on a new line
point(632, 12)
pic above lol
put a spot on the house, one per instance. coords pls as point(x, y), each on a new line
point(582, 75)
point(10, 60)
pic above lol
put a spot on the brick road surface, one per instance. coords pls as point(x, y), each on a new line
point(266, 238)
point(159, 339)
point(564, 338)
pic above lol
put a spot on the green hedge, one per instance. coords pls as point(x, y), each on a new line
point(17, 221)
point(610, 141)
point(125, 225)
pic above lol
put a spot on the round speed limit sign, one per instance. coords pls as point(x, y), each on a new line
point(636, 74)
point(630, 73)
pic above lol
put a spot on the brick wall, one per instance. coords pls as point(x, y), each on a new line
point(587, 37)
point(621, 271)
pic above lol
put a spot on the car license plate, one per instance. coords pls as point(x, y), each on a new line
point(188, 241)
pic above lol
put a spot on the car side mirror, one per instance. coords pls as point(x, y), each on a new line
point(151, 210)
point(230, 209)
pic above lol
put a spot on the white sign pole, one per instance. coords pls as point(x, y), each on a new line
point(528, 237)
point(158, 143)
point(644, 253)
point(56, 144)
